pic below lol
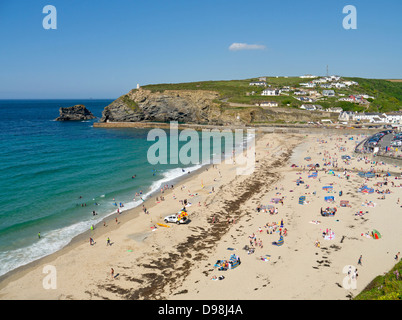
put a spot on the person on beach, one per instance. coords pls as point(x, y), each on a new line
point(39, 235)
point(397, 256)
point(112, 273)
point(360, 260)
point(108, 242)
point(91, 241)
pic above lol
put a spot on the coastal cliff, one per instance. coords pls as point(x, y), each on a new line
point(202, 107)
point(185, 106)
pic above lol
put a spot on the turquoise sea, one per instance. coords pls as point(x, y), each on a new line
point(55, 174)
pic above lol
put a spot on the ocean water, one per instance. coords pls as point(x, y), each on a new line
point(54, 174)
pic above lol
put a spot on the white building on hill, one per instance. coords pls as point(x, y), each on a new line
point(271, 92)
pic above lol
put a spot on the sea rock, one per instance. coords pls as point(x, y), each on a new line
point(75, 113)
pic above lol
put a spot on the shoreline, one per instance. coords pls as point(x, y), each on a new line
point(99, 230)
point(77, 240)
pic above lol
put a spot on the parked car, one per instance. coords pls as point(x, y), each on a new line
point(176, 218)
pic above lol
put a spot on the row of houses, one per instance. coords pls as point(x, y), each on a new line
point(372, 117)
point(362, 99)
point(312, 107)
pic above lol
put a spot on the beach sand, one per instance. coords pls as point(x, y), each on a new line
point(178, 262)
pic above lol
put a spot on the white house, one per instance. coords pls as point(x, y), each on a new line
point(333, 78)
point(328, 93)
point(348, 99)
point(300, 93)
point(262, 79)
point(271, 92)
point(370, 116)
point(267, 104)
point(394, 117)
point(321, 80)
point(346, 116)
point(335, 109)
point(351, 83)
point(258, 83)
point(311, 107)
point(339, 85)
point(305, 99)
point(308, 85)
point(308, 107)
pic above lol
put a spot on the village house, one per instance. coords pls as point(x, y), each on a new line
point(321, 80)
point(351, 83)
point(267, 104)
point(358, 99)
point(326, 86)
point(346, 116)
point(347, 99)
point(373, 117)
point(271, 92)
point(308, 85)
point(394, 117)
point(339, 85)
point(335, 109)
point(258, 83)
point(300, 93)
point(311, 107)
point(328, 93)
point(305, 99)
point(308, 107)
point(333, 78)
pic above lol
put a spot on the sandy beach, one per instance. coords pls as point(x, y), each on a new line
point(178, 262)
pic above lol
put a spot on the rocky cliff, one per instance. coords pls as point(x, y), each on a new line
point(194, 107)
point(189, 106)
point(75, 113)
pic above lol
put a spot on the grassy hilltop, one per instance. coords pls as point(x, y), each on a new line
point(387, 95)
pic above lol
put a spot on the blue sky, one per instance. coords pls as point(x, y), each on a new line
point(102, 49)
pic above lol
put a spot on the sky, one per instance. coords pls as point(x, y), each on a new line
point(102, 49)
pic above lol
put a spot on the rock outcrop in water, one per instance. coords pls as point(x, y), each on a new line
point(75, 113)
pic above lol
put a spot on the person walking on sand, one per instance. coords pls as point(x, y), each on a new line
point(397, 256)
point(112, 273)
point(360, 260)
point(108, 241)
